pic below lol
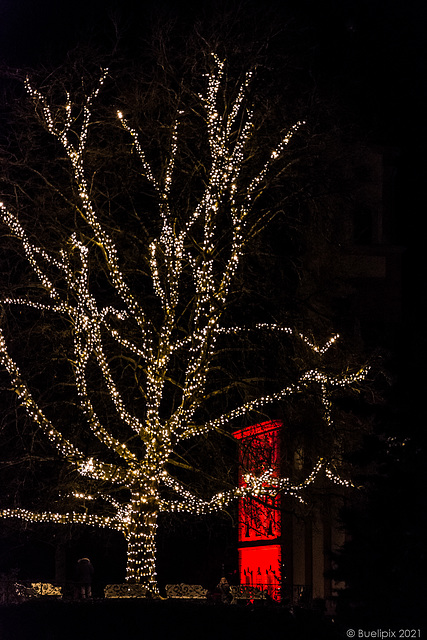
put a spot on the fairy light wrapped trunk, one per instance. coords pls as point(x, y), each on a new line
point(192, 261)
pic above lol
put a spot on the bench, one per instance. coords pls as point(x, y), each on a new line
point(41, 589)
point(187, 591)
point(18, 591)
point(244, 592)
point(125, 591)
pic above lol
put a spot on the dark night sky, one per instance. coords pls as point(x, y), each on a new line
point(372, 52)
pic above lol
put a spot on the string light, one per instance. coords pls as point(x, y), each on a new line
point(172, 252)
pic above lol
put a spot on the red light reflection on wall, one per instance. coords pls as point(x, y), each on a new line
point(259, 517)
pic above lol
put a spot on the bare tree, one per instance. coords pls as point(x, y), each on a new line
point(147, 330)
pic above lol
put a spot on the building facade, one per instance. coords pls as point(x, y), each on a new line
point(286, 550)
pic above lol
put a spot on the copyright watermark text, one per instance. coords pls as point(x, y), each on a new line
point(383, 633)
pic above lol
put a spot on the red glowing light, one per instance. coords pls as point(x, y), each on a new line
point(260, 567)
point(259, 517)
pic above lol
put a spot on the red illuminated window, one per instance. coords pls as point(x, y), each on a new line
point(259, 517)
point(260, 567)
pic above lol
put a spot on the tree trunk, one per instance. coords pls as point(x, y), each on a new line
point(141, 552)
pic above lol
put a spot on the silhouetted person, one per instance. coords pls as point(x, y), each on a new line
point(84, 577)
point(224, 589)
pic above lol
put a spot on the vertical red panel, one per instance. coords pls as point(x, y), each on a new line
point(259, 517)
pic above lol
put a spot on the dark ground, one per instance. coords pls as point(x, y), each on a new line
point(176, 620)
point(157, 620)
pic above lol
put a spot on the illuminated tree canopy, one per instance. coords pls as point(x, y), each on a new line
point(144, 350)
